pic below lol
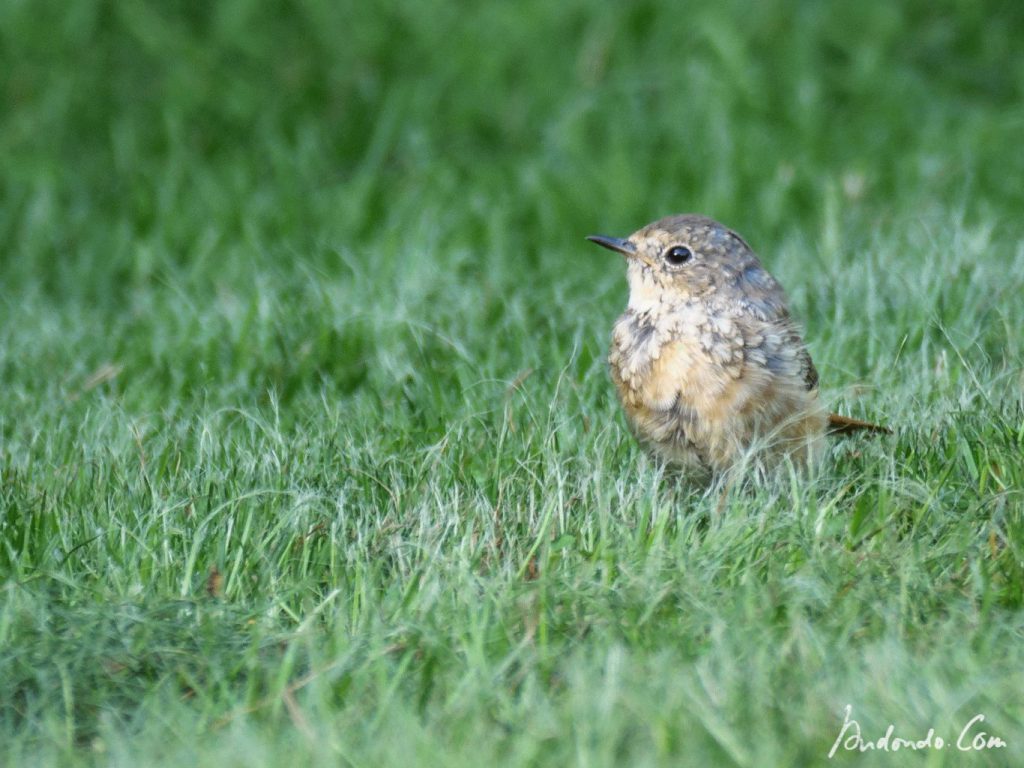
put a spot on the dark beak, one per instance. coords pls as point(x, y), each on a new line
point(624, 247)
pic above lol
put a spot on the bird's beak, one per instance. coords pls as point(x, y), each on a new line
point(625, 247)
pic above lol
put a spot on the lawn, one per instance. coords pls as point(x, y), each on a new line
point(308, 450)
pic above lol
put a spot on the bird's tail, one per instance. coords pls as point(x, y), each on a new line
point(844, 425)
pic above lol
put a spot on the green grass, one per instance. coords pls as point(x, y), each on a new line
point(308, 452)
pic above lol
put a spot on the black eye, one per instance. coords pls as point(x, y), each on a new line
point(678, 254)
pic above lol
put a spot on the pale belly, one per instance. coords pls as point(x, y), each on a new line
point(705, 411)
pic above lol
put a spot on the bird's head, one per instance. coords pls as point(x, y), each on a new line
point(688, 258)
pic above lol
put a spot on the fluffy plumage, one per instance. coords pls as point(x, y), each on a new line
point(706, 359)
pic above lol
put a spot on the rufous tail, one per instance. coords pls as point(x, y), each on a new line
point(844, 425)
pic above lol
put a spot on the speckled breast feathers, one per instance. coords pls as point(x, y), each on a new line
point(706, 359)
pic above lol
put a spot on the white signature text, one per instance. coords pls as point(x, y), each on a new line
point(970, 739)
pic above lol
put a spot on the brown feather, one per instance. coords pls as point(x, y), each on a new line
point(844, 425)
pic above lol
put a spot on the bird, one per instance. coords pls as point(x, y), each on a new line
point(707, 361)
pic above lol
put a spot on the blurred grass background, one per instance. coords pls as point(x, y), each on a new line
point(307, 448)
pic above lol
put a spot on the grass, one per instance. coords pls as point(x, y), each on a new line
point(308, 453)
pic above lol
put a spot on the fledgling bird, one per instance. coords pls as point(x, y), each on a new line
point(706, 359)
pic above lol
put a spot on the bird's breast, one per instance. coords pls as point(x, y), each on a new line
point(656, 360)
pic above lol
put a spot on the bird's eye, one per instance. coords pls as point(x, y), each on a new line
point(678, 254)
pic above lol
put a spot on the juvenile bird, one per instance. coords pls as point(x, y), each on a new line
point(706, 359)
